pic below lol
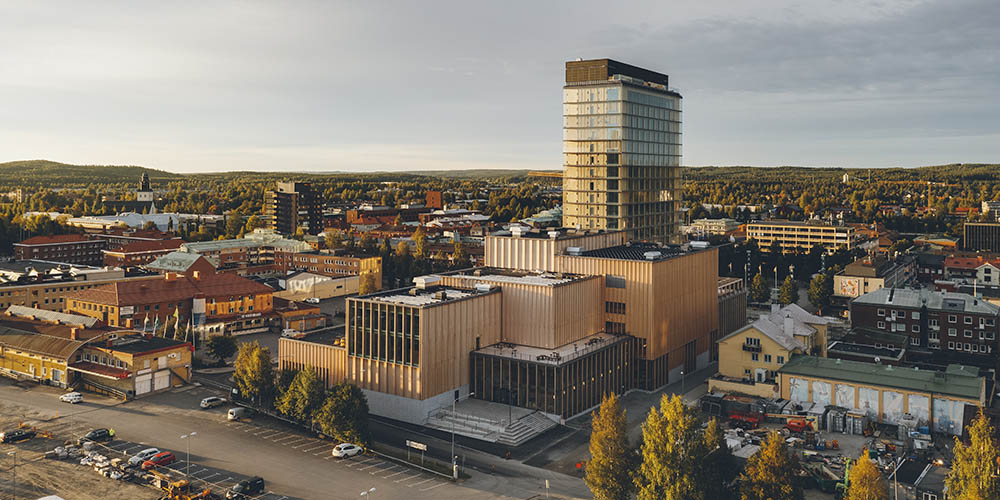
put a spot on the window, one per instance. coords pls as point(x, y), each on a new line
point(952, 332)
point(612, 281)
point(881, 325)
point(767, 358)
point(746, 371)
point(932, 322)
point(967, 333)
point(968, 346)
point(752, 341)
point(781, 360)
point(952, 318)
point(915, 328)
point(929, 496)
point(755, 356)
point(881, 312)
point(933, 335)
point(915, 315)
point(614, 307)
point(951, 345)
point(968, 320)
point(914, 341)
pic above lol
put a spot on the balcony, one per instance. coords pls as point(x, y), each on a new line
point(751, 348)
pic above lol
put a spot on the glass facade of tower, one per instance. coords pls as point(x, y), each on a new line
point(622, 152)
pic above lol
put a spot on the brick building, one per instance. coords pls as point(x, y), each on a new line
point(68, 248)
point(138, 253)
point(937, 320)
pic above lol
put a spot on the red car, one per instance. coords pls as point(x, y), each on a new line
point(161, 458)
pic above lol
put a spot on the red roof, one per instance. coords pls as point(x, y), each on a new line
point(149, 246)
point(968, 262)
point(99, 370)
point(49, 240)
point(175, 289)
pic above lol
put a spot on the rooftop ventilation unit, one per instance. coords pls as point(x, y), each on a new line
point(574, 250)
point(517, 231)
point(426, 281)
point(553, 234)
point(483, 287)
point(652, 255)
point(699, 244)
point(440, 295)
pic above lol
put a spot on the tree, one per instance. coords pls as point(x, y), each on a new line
point(719, 468)
point(758, 289)
point(234, 224)
point(254, 375)
point(303, 397)
point(285, 378)
point(149, 225)
point(333, 239)
point(253, 222)
point(419, 243)
point(367, 284)
point(789, 291)
point(820, 291)
point(672, 451)
point(344, 415)
point(367, 244)
point(866, 481)
point(974, 471)
point(607, 473)
point(770, 473)
point(458, 255)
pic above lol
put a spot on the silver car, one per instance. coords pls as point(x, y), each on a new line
point(142, 456)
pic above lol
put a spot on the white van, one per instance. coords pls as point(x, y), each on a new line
point(238, 413)
point(71, 397)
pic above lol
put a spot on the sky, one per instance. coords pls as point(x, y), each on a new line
point(197, 86)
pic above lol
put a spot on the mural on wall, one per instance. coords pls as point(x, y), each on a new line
point(919, 406)
point(892, 407)
point(798, 389)
point(948, 416)
point(821, 393)
point(868, 401)
point(845, 396)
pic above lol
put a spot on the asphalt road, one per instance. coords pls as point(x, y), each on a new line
point(294, 465)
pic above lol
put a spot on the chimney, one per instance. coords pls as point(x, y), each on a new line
point(789, 326)
point(74, 334)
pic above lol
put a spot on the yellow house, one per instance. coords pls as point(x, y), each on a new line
point(750, 357)
point(32, 356)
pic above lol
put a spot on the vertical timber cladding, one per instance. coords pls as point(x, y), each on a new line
point(436, 358)
point(669, 304)
point(537, 251)
point(328, 361)
point(565, 388)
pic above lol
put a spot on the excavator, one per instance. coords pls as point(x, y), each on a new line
point(179, 489)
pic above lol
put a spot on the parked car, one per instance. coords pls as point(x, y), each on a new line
point(16, 435)
point(346, 450)
point(98, 435)
point(289, 332)
point(142, 456)
point(246, 488)
point(211, 402)
point(239, 413)
point(313, 300)
point(71, 397)
point(161, 458)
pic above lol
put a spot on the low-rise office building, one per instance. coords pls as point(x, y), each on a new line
point(131, 364)
point(981, 236)
point(67, 248)
point(44, 285)
point(139, 253)
point(868, 274)
point(885, 393)
point(800, 237)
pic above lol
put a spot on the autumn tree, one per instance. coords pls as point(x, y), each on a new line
point(672, 449)
point(719, 467)
point(607, 473)
point(866, 481)
point(221, 347)
point(344, 415)
point(820, 291)
point(303, 397)
point(254, 375)
point(788, 293)
point(770, 473)
point(333, 239)
point(367, 284)
point(419, 243)
point(758, 291)
point(974, 473)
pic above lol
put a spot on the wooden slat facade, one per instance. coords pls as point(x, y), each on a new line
point(329, 362)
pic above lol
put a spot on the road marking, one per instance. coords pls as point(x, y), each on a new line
point(432, 487)
point(293, 437)
point(407, 478)
point(270, 432)
point(395, 474)
point(391, 467)
point(306, 443)
point(421, 482)
point(370, 466)
point(314, 448)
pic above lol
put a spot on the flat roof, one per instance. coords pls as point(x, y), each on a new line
point(959, 381)
point(423, 297)
point(537, 278)
point(636, 251)
point(806, 223)
point(863, 350)
point(555, 356)
point(560, 233)
point(935, 301)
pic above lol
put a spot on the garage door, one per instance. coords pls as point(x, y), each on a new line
point(161, 380)
point(143, 383)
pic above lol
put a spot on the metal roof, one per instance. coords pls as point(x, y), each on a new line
point(959, 381)
point(178, 262)
point(45, 315)
point(939, 301)
point(46, 345)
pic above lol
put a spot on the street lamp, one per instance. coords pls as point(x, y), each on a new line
point(682, 386)
point(368, 493)
point(187, 438)
point(453, 414)
point(13, 471)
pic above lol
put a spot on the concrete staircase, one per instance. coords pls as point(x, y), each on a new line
point(524, 429)
point(464, 424)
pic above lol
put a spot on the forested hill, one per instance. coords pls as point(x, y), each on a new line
point(39, 173)
point(939, 173)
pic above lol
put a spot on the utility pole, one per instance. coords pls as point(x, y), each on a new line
point(187, 438)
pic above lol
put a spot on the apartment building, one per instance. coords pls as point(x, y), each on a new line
point(938, 320)
point(138, 253)
point(796, 236)
point(336, 264)
point(44, 285)
point(868, 274)
point(67, 248)
point(262, 252)
point(294, 205)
